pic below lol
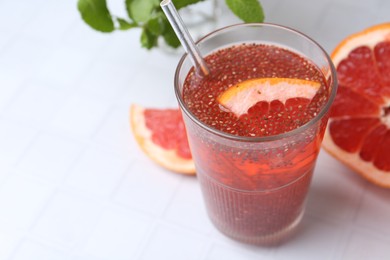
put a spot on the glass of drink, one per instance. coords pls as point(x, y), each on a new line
point(255, 169)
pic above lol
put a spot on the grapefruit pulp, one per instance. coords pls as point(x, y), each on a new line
point(162, 136)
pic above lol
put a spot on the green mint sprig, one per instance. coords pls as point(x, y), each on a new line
point(149, 17)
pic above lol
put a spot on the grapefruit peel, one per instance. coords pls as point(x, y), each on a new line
point(164, 157)
point(353, 161)
point(369, 37)
point(242, 96)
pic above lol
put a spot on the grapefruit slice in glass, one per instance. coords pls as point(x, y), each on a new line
point(358, 132)
point(239, 98)
point(162, 136)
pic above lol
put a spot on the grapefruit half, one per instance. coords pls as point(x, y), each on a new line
point(358, 132)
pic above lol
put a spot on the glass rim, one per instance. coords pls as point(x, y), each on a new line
point(257, 139)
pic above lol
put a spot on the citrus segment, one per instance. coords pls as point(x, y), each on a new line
point(371, 143)
point(358, 105)
point(382, 51)
point(239, 98)
point(359, 72)
point(165, 134)
point(161, 135)
point(358, 131)
point(382, 158)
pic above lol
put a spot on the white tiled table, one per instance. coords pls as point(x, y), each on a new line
point(74, 184)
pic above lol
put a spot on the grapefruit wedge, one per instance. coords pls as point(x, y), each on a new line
point(358, 132)
point(162, 136)
point(239, 98)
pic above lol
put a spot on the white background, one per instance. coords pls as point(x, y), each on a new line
point(73, 182)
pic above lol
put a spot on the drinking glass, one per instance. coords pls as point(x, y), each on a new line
point(254, 188)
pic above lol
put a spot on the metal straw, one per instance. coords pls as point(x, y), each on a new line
point(184, 36)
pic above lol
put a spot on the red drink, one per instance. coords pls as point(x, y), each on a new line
point(235, 64)
point(255, 169)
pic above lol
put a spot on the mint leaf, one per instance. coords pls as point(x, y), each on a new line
point(125, 25)
point(141, 10)
point(250, 11)
point(170, 37)
point(96, 14)
point(156, 26)
point(148, 39)
point(183, 3)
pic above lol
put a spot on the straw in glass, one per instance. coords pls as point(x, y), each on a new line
point(184, 36)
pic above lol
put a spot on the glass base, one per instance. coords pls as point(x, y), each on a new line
point(273, 239)
point(258, 217)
